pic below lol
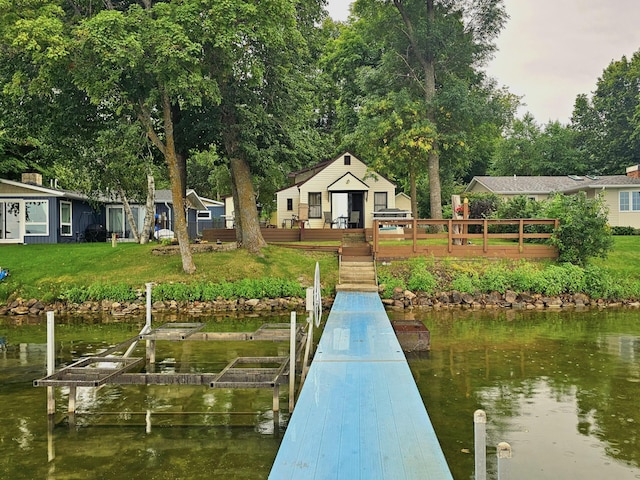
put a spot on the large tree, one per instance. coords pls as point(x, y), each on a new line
point(426, 55)
point(608, 123)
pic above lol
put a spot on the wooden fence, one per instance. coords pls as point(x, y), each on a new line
point(403, 238)
point(508, 238)
point(281, 235)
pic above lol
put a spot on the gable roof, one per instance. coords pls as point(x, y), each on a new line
point(544, 185)
point(344, 183)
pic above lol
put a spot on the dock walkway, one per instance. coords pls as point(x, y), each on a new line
point(359, 415)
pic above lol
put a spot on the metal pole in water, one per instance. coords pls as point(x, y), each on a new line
point(480, 441)
point(292, 361)
point(51, 361)
point(148, 319)
point(504, 452)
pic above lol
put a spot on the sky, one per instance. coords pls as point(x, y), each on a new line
point(550, 51)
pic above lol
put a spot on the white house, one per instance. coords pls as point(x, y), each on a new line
point(338, 193)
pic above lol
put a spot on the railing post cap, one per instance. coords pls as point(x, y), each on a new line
point(504, 450)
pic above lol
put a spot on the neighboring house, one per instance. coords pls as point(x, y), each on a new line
point(338, 193)
point(32, 213)
point(116, 220)
point(621, 193)
point(212, 217)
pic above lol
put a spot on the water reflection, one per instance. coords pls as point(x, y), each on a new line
point(561, 388)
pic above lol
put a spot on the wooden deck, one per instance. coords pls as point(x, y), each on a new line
point(406, 238)
point(452, 238)
point(359, 415)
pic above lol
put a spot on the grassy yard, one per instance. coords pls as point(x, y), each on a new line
point(43, 271)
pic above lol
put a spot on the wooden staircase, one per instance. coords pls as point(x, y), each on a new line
point(357, 267)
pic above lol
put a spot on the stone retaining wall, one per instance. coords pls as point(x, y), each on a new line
point(402, 299)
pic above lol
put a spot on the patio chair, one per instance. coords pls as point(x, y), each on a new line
point(354, 219)
point(328, 220)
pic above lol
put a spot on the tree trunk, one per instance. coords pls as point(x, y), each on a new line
point(413, 191)
point(427, 62)
point(177, 189)
point(246, 211)
point(149, 215)
point(132, 221)
point(247, 224)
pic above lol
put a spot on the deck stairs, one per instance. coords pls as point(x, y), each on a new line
point(357, 267)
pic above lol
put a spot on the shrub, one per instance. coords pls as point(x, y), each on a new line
point(420, 278)
point(389, 282)
point(583, 232)
point(623, 231)
point(466, 283)
point(496, 278)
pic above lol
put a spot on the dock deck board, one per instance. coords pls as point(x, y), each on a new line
point(359, 415)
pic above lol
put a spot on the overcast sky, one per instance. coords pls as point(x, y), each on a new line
point(552, 50)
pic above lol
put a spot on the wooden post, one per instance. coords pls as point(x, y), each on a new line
point(465, 216)
point(521, 235)
point(450, 239)
point(51, 361)
point(485, 236)
point(292, 361)
point(151, 351)
point(114, 240)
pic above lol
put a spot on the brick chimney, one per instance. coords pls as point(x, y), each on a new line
point(633, 172)
point(32, 178)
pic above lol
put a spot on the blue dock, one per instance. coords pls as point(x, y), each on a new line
point(359, 415)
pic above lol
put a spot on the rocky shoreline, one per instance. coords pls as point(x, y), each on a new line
point(401, 300)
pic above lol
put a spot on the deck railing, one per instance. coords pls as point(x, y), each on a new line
point(512, 238)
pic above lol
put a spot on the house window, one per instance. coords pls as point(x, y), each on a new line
point(204, 215)
point(115, 220)
point(315, 205)
point(379, 201)
point(624, 201)
point(347, 159)
point(65, 219)
point(289, 204)
point(37, 217)
point(629, 201)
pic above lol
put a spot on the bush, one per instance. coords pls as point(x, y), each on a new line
point(623, 231)
point(389, 283)
point(421, 279)
point(583, 232)
point(466, 283)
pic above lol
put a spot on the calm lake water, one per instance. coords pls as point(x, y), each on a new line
point(561, 387)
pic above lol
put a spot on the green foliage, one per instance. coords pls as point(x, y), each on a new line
point(421, 279)
point(623, 231)
point(244, 288)
point(583, 232)
point(482, 205)
point(466, 283)
point(389, 282)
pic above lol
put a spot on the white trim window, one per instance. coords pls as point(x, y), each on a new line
point(204, 215)
point(36, 217)
point(66, 229)
point(315, 205)
point(379, 201)
point(629, 201)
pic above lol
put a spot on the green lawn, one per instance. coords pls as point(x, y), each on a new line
point(43, 271)
point(624, 259)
